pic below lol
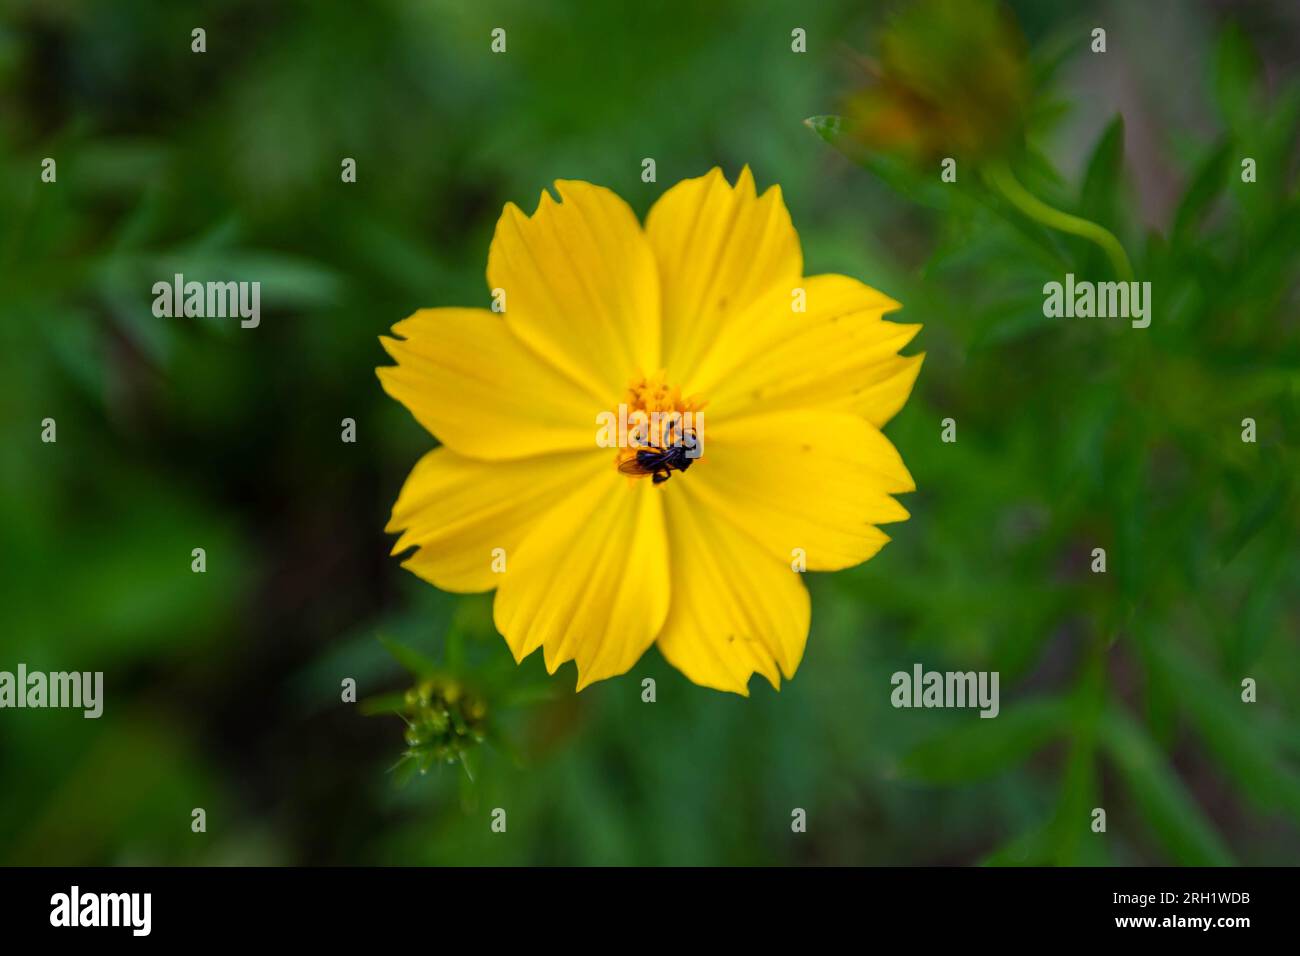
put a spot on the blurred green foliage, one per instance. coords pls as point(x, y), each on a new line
point(1119, 690)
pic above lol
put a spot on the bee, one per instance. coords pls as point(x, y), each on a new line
point(660, 462)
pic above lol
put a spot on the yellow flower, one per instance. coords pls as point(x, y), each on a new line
point(695, 317)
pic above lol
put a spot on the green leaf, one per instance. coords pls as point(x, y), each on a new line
point(987, 746)
point(412, 660)
point(1243, 749)
point(1163, 800)
point(1206, 186)
point(393, 703)
point(1101, 183)
point(1236, 75)
point(828, 128)
point(1264, 512)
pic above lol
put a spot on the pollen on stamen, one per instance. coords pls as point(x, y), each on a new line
point(664, 431)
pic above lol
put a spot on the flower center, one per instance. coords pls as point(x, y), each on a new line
point(659, 432)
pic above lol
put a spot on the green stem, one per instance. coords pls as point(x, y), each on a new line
point(999, 176)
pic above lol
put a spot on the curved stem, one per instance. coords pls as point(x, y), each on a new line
point(999, 176)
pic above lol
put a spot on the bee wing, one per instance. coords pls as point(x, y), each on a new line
point(633, 467)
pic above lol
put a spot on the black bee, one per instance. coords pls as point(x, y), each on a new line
point(660, 462)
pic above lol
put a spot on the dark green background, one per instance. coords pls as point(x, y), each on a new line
point(1118, 691)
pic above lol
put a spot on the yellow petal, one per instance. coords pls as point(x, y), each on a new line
point(882, 400)
point(470, 382)
point(735, 610)
point(581, 285)
point(590, 581)
point(839, 354)
point(815, 481)
point(458, 511)
point(719, 249)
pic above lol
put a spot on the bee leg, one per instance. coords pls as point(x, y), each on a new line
point(660, 477)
